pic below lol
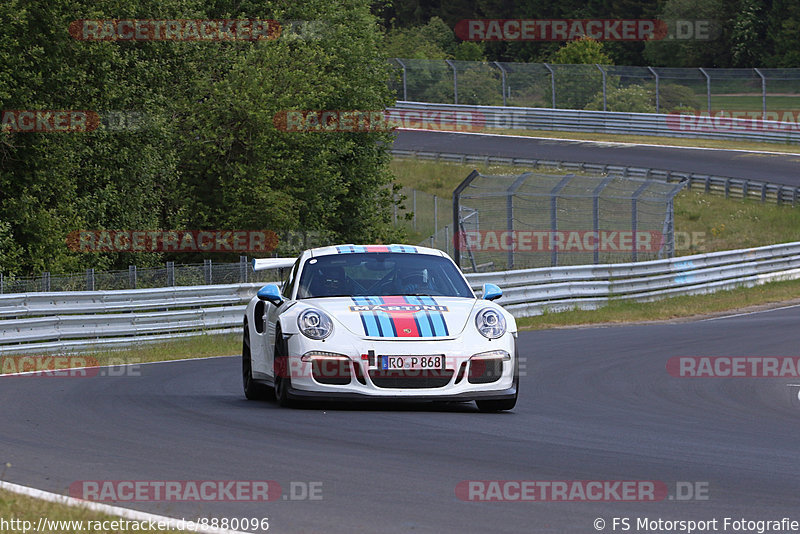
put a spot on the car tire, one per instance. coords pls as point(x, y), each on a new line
point(252, 390)
point(283, 379)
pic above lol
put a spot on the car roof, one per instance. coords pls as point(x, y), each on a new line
point(363, 249)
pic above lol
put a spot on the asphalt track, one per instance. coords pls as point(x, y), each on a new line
point(595, 404)
point(766, 167)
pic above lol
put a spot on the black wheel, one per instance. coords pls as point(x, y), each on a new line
point(283, 379)
point(505, 404)
point(252, 390)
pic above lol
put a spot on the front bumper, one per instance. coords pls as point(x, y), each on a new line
point(358, 375)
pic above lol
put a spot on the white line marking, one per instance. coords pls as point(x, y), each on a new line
point(749, 313)
point(126, 513)
point(45, 371)
point(614, 143)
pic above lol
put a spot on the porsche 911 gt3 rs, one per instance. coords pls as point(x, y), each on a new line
point(381, 322)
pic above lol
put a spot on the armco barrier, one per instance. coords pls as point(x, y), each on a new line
point(472, 118)
point(73, 321)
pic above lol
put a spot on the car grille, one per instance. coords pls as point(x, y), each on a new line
point(485, 371)
point(332, 372)
point(405, 379)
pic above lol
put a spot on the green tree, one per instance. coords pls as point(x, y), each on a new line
point(576, 75)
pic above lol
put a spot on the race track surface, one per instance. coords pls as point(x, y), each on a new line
point(772, 168)
point(595, 404)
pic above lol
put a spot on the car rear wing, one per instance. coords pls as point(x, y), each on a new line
point(262, 264)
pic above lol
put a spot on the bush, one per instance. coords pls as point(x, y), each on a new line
point(631, 99)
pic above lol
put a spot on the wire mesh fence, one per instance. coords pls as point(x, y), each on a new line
point(759, 92)
point(537, 220)
point(206, 273)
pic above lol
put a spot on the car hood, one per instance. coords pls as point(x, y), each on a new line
point(399, 317)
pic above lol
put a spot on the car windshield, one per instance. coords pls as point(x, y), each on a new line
point(378, 274)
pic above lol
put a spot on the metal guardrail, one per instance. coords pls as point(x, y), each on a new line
point(75, 321)
point(474, 118)
point(722, 185)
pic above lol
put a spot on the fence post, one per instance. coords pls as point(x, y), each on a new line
point(596, 214)
point(414, 207)
point(2, 284)
point(170, 274)
point(763, 95)
point(207, 274)
point(46, 281)
point(447, 238)
point(658, 98)
point(708, 88)
point(604, 85)
point(552, 83)
point(435, 215)
point(243, 269)
point(503, 74)
point(89, 279)
point(132, 276)
point(455, 80)
point(405, 89)
point(635, 219)
point(554, 216)
point(510, 192)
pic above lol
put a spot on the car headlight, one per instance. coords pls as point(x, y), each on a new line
point(490, 323)
point(315, 324)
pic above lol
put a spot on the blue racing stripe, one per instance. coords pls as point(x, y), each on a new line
point(439, 326)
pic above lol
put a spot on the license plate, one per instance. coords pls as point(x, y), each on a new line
point(411, 363)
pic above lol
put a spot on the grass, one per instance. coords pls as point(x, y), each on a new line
point(19, 507)
point(178, 349)
point(672, 308)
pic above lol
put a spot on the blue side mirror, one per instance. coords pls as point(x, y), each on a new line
point(270, 293)
point(491, 292)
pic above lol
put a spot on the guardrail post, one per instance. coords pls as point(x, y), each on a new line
point(604, 85)
point(455, 80)
point(207, 274)
point(708, 88)
point(763, 95)
point(552, 82)
point(89, 279)
point(132, 276)
point(503, 74)
point(170, 274)
point(243, 269)
point(405, 89)
point(658, 98)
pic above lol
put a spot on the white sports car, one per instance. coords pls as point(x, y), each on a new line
point(390, 322)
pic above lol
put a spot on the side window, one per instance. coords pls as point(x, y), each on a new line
point(288, 284)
